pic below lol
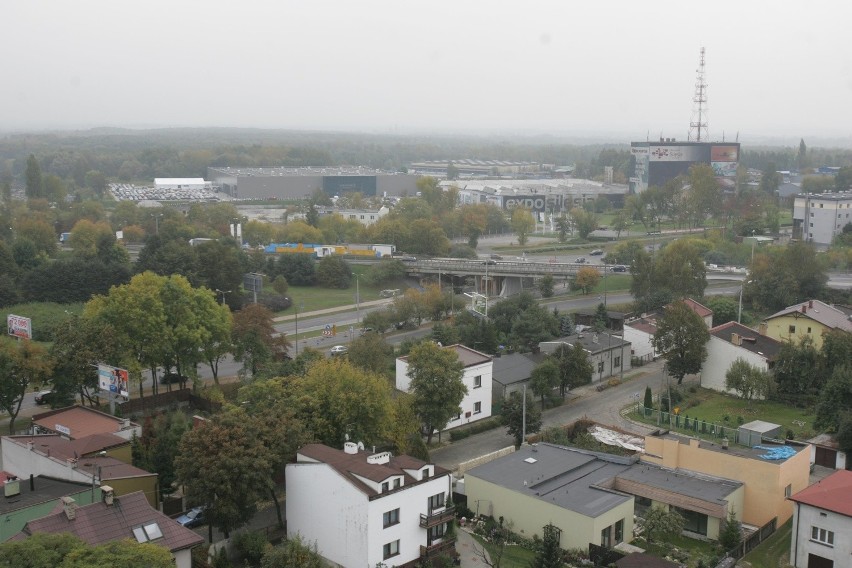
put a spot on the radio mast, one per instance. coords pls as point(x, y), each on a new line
point(698, 124)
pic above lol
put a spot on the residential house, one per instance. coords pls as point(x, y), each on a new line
point(34, 497)
point(640, 334)
point(478, 372)
point(703, 311)
point(607, 352)
point(588, 318)
point(729, 342)
point(364, 508)
point(511, 372)
point(80, 421)
point(768, 482)
point(116, 518)
point(592, 497)
point(92, 460)
point(821, 517)
point(808, 319)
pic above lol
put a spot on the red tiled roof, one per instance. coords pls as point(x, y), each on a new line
point(81, 421)
point(98, 523)
point(699, 309)
point(834, 493)
point(352, 465)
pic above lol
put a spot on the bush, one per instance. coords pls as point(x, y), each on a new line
point(251, 546)
point(475, 428)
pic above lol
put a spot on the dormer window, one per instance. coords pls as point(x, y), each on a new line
point(385, 487)
point(425, 473)
point(397, 483)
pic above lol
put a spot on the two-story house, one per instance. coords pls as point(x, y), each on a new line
point(822, 515)
point(731, 341)
point(808, 319)
point(364, 508)
point(478, 372)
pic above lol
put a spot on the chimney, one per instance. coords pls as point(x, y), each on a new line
point(736, 339)
point(107, 494)
point(125, 423)
point(762, 328)
point(810, 303)
point(350, 448)
point(69, 506)
point(12, 487)
point(804, 309)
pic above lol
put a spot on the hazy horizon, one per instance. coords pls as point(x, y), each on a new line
point(613, 71)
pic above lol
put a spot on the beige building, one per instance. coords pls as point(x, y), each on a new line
point(808, 319)
point(767, 483)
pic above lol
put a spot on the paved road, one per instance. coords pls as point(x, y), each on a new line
point(603, 407)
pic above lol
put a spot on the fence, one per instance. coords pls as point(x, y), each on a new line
point(683, 423)
point(750, 543)
point(176, 398)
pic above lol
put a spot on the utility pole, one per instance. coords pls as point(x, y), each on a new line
point(524, 418)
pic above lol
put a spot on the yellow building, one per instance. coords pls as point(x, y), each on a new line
point(808, 319)
point(767, 483)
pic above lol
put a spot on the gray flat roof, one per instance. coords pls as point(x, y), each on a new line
point(687, 483)
point(46, 489)
point(513, 368)
point(562, 476)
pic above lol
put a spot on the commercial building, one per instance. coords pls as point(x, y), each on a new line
point(474, 168)
point(660, 162)
point(364, 509)
point(823, 514)
point(818, 218)
point(301, 183)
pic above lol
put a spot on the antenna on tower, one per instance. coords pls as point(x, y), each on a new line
point(698, 124)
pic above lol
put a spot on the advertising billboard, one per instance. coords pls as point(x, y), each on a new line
point(670, 153)
point(113, 379)
point(724, 153)
point(19, 326)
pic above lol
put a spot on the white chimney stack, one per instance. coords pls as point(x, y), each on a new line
point(69, 506)
point(107, 494)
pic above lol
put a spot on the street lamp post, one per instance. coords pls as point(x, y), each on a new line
point(358, 300)
point(223, 292)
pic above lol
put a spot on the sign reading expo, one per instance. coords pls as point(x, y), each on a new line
point(113, 379)
point(19, 326)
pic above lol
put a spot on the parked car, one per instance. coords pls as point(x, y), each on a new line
point(44, 397)
point(366, 330)
point(581, 260)
point(619, 268)
point(192, 518)
point(489, 261)
point(172, 378)
point(496, 256)
point(596, 252)
point(338, 350)
point(408, 259)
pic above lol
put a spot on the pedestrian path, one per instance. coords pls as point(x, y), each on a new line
point(334, 310)
point(464, 548)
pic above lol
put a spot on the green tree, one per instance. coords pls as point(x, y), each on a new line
point(563, 228)
point(293, 553)
point(705, 197)
point(601, 321)
point(797, 368)
point(584, 221)
point(64, 550)
point(255, 340)
point(747, 380)
point(513, 417)
point(574, 366)
point(548, 554)
point(534, 325)
point(680, 269)
point(22, 363)
point(220, 268)
point(834, 400)
point(620, 223)
point(224, 465)
point(522, 224)
point(334, 272)
point(157, 448)
point(312, 216)
point(770, 179)
point(587, 279)
point(544, 378)
point(436, 385)
point(843, 179)
point(802, 157)
point(372, 353)
point(682, 338)
point(34, 186)
point(658, 522)
point(649, 398)
point(724, 309)
point(731, 534)
point(545, 286)
point(385, 272)
point(298, 269)
point(96, 181)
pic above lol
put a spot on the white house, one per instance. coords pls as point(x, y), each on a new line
point(363, 508)
point(640, 333)
point(608, 353)
point(729, 342)
point(478, 371)
point(822, 523)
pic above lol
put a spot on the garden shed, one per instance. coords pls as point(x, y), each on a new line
point(753, 433)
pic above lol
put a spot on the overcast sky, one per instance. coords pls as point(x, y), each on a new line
point(620, 68)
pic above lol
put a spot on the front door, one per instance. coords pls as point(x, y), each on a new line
point(815, 561)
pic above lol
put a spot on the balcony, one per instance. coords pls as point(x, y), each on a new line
point(436, 518)
point(446, 546)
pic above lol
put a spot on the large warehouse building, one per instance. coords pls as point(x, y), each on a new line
point(300, 183)
point(659, 162)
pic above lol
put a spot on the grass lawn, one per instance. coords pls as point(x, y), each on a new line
point(316, 298)
point(514, 556)
point(714, 407)
point(774, 552)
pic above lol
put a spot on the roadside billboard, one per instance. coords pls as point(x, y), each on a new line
point(19, 326)
point(113, 379)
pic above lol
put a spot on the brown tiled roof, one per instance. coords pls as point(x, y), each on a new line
point(699, 309)
point(834, 493)
point(63, 448)
point(98, 523)
point(110, 468)
point(81, 421)
point(352, 465)
point(751, 340)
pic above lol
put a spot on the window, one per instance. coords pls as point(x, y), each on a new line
point(457, 416)
point(791, 329)
point(616, 362)
point(477, 381)
point(390, 518)
point(812, 214)
point(788, 491)
point(477, 407)
point(385, 487)
point(606, 540)
point(693, 521)
point(390, 549)
point(425, 473)
point(436, 502)
point(397, 483)
point(822, 536)
point(436, 532)
point(619, 531)
point(362, 216)
point(809, 330)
